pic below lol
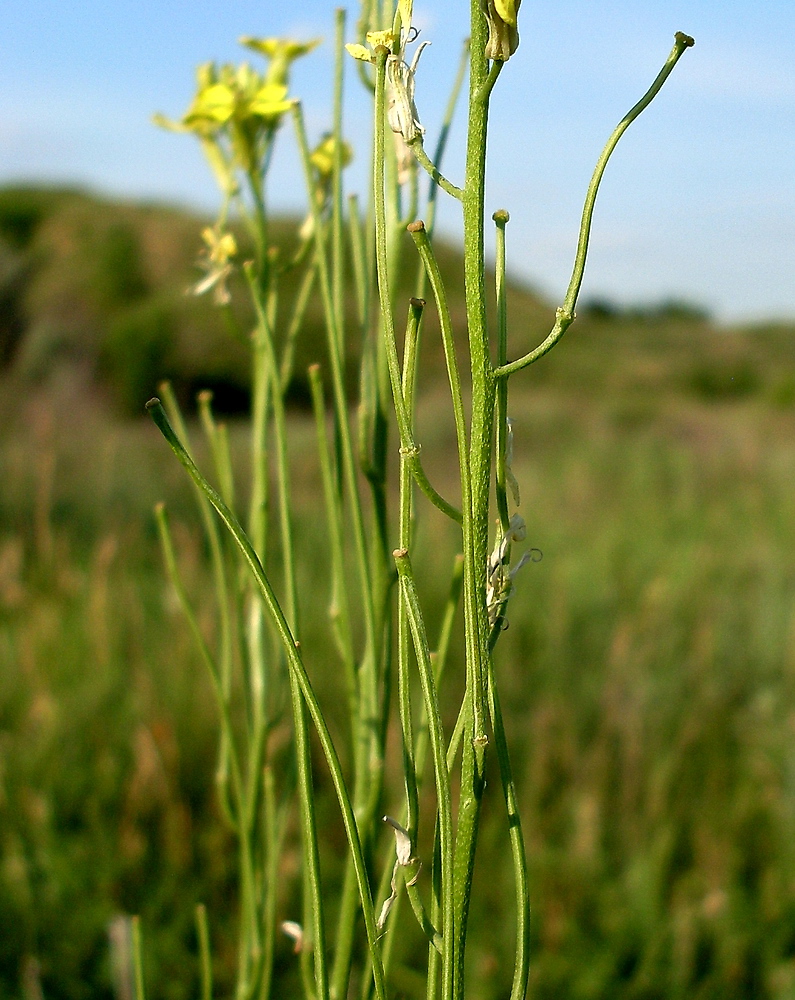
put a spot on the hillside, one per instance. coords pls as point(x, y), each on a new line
point(99, 287)
point(96, 289)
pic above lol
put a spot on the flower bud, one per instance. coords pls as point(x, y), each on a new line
point(503, 34)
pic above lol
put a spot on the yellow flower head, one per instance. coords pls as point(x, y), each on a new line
point(322, 157)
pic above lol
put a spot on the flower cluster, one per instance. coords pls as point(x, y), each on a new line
point(235, 113)
point(236, 109)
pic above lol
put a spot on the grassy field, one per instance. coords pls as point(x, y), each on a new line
point(649, 680)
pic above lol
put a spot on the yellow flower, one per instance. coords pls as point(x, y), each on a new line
point(236, 110)
point(374, 39)
point(238, 95)
point(322, 157)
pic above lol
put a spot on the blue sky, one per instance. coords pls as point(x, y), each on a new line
point(698, 201)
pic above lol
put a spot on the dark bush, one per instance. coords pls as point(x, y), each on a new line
point(135, 352)
point(119, 278)
point(724, 381)
point(21, 211)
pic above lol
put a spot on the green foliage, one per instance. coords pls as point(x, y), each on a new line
point(136, 351)
point(725, 381)
point(88, 269)
point(12, 322)
point(22, 210)
point(102, 778)
point(647, 667)
point(120, 279)
point(668, 309)
point(648, 698)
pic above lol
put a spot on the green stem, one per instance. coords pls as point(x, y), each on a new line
point(219, 446)
point(273, 826)
point(138, 964)
point(369, 748)
point(313, 892)
point(314, 906)
point(488, 84)
point(426, 924)
point(359, 257)
point(265, 345)
point(522, 954)
point(368, 751)
point(440, 660)
point(260, 227)
point(337, 243)
point(420, 236)
point(438, 178)
point(480, 441)
point(249, 939)
point(410, 451)
point(205, 958)
point(169, 558)
point(338, 387)
point(444, 132)
point(434, 977)
point(296, 665)
point(564, 316)
point(501, 218)
point(438, 749)
point(219, 572)
point(479, 471)
point(299, 311)
point(340, 605)
point(405, 526)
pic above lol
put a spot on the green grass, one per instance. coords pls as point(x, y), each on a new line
point(648, 675)
point(649, 669)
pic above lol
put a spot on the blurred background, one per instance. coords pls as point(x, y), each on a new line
point(698, 203)
point(649, 667)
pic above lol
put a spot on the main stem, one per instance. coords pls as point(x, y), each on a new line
point(475, 524)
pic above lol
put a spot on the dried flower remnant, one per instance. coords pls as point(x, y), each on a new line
point(402, 115)
point(509, 473)
point(401, 109)
point(216, 259)
point(500, 573)
point(295, 931)
point(402, 860)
